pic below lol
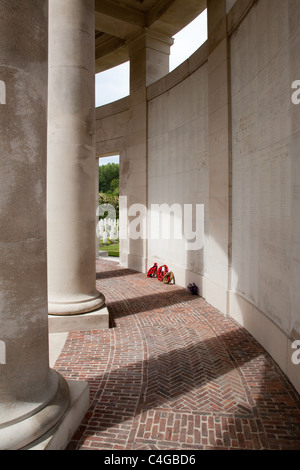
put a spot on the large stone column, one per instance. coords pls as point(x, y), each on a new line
point(71, 159)
point(33, 397)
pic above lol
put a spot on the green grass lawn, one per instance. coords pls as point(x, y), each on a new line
point(111, 248)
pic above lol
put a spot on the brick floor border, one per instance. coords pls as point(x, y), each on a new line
point(173, 373)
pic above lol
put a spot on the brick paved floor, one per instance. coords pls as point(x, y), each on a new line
point(174, 373)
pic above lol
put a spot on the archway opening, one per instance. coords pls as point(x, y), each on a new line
point(108, 207)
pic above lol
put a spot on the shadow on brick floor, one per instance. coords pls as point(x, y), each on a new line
point(176, 374)
point(222, 392)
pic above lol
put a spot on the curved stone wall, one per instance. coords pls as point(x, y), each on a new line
point(265, 145)
point(178, 168)
point(222, 132)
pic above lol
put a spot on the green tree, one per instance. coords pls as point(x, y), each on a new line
point(108, 173)
point(114, 187)
point(109, 188)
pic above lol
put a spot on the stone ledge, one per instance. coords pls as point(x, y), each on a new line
point(95, 320)
point(103, 254)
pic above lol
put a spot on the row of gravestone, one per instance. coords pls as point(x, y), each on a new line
point(108, 228)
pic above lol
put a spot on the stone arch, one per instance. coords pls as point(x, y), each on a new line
point(105, 208)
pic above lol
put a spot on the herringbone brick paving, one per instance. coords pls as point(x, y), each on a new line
point(174, 373)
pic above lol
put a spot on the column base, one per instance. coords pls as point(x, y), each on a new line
point(59, 437)
point(96, 320)
point(21, 433)
point(76, 307)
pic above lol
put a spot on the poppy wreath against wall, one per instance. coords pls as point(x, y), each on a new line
point(162, 271)
point(162, 274)
point(169, 278)
point(152, 271)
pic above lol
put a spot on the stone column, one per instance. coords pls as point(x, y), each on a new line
point(71, 159)
point(149, 61)
point(33, 397)
point(219, 244)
